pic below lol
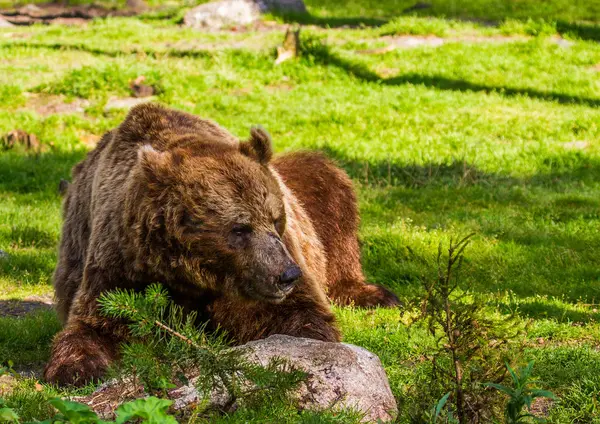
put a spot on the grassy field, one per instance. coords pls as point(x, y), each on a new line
point(493, 131)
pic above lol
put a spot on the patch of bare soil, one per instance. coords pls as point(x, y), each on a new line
point(125, 103)
point(20, 308)
point(110, 395)
point(47, 104)
point(259, 26)
point(280, 86)
point(255, 42)
point(540, 407)
point(412, 41)
point(16, 35)
point(54, 13)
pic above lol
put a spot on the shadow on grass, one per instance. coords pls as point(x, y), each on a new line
point(29, 266)
point(534, 231)
point(29, 236)
point(26, 340)
point(153, 53)
point(582, 30)
point(330, 22)
point(562, 314)
point(585, 31)
point(324, 55)
point(562, 170)
point(22, 173)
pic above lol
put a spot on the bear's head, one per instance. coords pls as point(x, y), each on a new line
point(213, 216)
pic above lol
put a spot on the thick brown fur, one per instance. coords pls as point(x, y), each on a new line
point(253, 245)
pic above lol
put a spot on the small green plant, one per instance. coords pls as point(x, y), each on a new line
point(7, 414)
point(521, 394)
point(150, 410)
point(8, 369)
point(169, 346)
point(440, 414)
point(72, 412)
point(469, 344)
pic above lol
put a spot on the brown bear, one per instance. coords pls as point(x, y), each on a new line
point(253, 245)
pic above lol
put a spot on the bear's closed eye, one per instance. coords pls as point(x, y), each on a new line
point(241, 230)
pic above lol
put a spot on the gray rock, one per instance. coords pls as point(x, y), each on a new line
point(3, 255)
point(227, 13)
point(222, 14)
point(339, 375)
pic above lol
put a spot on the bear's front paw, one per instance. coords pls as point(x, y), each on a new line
point(78, 358)
point(74, 371)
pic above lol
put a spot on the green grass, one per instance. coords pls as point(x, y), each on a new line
point(485, 10)
point(496, 138)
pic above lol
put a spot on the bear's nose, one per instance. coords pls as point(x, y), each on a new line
point(289, 277)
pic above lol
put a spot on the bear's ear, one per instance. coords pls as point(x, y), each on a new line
point(258, 146)
point(155, 165)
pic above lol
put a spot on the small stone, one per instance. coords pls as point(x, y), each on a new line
point(234, 13)
point(220, 14)
point(140, 89)
point(3, 255)
point(4, 23)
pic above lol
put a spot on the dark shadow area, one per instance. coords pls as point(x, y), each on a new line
point(36, 173)
point(329, 22)
point(562, 170)
point(444, 83)
point(585, 31)
point(118, 53)
point(18, 308)
point(579, 26)
point(29, 266)
point(324, 55)
point(26, 236)
point(523, 220)
point(540, 310)
point(26, 331)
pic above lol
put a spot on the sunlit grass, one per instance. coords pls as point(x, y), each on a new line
point(499, 139)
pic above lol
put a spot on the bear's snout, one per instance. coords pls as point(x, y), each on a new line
point(288, 279)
